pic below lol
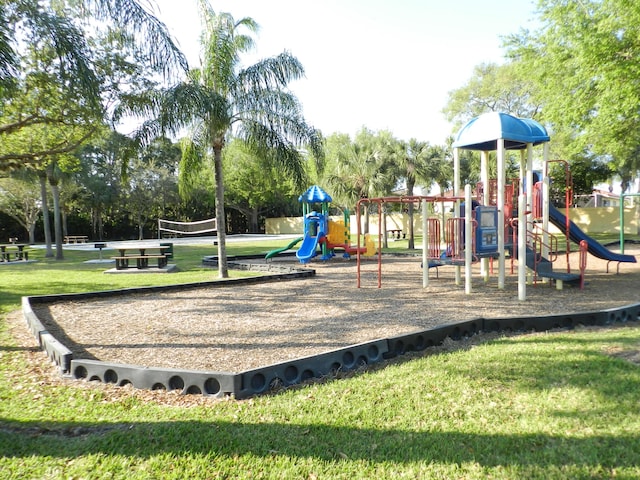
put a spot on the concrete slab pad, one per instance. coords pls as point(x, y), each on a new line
point(133, 270)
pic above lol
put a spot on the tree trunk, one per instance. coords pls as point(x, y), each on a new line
point(367, 210)
point(45, 215)
point(254, 221)
point(637, 203)
point(57, 218)
point(63, 214)
point(140, 228)
point(32, 233)
point(223, 270)
point(98, 227)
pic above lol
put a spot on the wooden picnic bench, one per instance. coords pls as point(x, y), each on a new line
point(76, 239)
point(13, 251)
point(142, 257)
point(142, 261)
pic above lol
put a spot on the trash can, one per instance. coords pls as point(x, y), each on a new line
point(169, 251)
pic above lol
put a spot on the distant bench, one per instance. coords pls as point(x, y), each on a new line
point(396, 233)
point(76, 239)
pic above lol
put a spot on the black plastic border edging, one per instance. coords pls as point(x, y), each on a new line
point(56, 351)
point(260, 380)
point(168, 379)
point(296, 371)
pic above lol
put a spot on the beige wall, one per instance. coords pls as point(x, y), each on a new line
point(590, 220)
point(604, 219)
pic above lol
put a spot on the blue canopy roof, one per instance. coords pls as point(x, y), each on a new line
point(483, 132)
point(314, 194)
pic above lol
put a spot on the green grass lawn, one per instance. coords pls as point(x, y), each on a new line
point(554, 405)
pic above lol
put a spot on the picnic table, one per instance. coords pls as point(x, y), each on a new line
point(141, 255)
point(76, 239)
point(13, 251)
point(396, 233)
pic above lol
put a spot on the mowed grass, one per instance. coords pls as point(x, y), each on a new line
point(555, 405)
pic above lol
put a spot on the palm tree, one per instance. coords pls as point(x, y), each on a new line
point(26, 19)
point(363, 169)
point(414, 165)
point(221, 98)
point(37, 34)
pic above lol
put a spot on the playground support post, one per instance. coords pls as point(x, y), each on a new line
point(468, 239)
point(622, 197)
point(456, 205)
point(501, 220)
point(425, 242)
point(545, 216)
point(485, 200)
point(522, 247)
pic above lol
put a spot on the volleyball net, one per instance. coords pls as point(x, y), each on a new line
point(170, 228)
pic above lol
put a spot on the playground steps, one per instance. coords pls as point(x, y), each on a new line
point(544, 268)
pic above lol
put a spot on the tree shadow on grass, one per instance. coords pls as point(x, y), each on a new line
point(320, 442)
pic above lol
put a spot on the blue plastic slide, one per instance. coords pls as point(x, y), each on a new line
point(576, 235)
point(308, 249)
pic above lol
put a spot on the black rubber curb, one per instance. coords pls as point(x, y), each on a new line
point(265, 379)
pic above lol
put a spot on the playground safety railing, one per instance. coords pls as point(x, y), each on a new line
point(535, 242)
point(535, 236)
point(453, 239)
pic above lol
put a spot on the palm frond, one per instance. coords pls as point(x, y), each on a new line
point(191, 164)
point(70, 47)
point(186, 103)
point(8, 58)
point(270, 73)
point(223, 42)
point(152, 36)
point(269, 144)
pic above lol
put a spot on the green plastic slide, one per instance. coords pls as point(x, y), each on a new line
point(275, 252)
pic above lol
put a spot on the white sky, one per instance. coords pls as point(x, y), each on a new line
point(381, 64)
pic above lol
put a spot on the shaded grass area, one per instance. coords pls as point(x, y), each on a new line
point(552, 405)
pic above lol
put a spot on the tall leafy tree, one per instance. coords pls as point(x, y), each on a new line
point(254, 186)
point(152, 182)
point(89, 72)
point(585, 62)
point(362, 168)
point(223, 98)
point(20, 199)
point(100, 177)
point(62, 119)
point(493, 88)
point(418, 162)
point(66, 23)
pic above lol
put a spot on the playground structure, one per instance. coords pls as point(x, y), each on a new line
point(511, 218)
point(321, 234)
